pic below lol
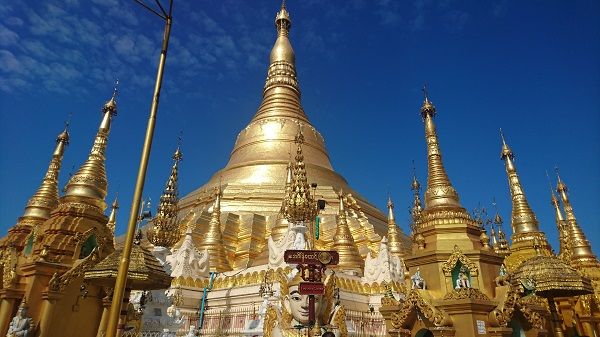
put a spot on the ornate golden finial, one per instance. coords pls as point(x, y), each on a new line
point(283, 21)
point(165, 225)
point(440, 192)
point(89, 183)
point(302, 206)
point(46, 197)
point(281, 224)
point(580, 247)
point(416, 209)
point(213, 239)
point(343, 242)
point(394, 237)
point(523, 219)
point(503, 246)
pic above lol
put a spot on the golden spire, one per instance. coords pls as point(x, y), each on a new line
point(527, 239)
point(302, 206)
point(165, 227)
point(580, 248)
point(213, 239)
point(523, 219)
point(394, 237)
point(89, 183)
point(343, 242)
point(561, 225)
point(112, 218)
point(416, 209)
point(440, 192)
point(281, 224)
point(45, 198)
point(503, 246)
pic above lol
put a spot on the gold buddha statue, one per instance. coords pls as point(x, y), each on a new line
point(293, 318)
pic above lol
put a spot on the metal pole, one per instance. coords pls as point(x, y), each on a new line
point(113, 319)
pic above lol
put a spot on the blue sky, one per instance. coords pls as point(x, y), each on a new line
point(529, 67)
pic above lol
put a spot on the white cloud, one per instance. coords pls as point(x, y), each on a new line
point(7, 36)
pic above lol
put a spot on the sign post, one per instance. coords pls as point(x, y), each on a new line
point(312, 265)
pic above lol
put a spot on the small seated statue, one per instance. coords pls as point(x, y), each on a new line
point(21, 325)
point(418, 282)
point(462, 281)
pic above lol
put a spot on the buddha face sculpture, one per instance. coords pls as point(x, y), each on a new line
point(297, 305)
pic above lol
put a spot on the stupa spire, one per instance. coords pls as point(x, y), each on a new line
point(112, 218)
point(301, 205)
point(45, 198)
point(344, 244)
point(440, 192)
point(580, 248)
point(213, 239)
point(394, 237)
point(523, 219)
point(89, 183)
point(416, 209)
point(165, 231)
point(281, 224)
point(503, 246)
point(526, 234)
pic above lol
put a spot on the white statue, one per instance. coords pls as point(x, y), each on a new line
point(187, 261)
point(21, 324)
point(293, 239)
point(385, 267)
point(462, 281)
point(418, 282)
point(192, 332)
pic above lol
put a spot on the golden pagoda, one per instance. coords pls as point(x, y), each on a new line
point(74, 237)
point(451, 289)
point(254, 179)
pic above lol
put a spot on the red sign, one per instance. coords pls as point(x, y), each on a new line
point(311, 288)
point(314, 257)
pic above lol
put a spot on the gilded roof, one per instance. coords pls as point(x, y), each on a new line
point(145, 271)
point(552, 277)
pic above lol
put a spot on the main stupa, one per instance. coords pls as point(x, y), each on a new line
point(253, 181)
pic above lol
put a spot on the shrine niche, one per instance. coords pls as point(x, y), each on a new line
point(457, 256)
